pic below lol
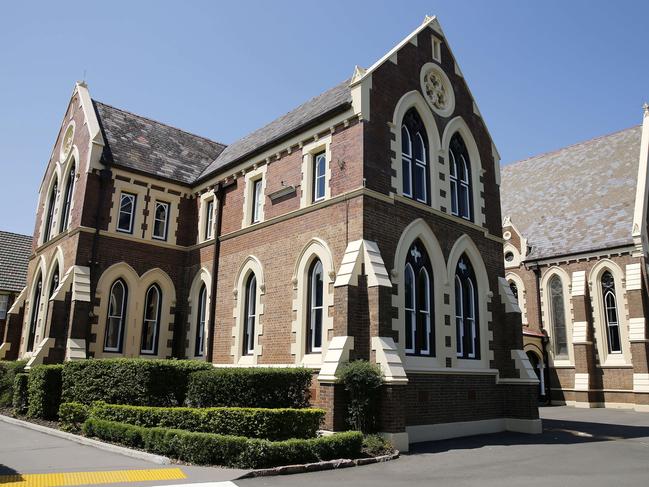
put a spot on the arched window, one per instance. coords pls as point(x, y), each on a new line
point(116, 317)
point(414, 157)
point(151, 323)
point(418, 287)
point(54, 283)
point(316, 308)
point(460, 179)
point(50, 212)
point(558, 317)
point(33, 320)
point(250, 315)
point(200, 321)
point(610, 312)
point(67, 201)
point(466, 310)
point(514, 288)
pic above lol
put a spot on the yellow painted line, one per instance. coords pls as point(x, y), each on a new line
point(90, 478)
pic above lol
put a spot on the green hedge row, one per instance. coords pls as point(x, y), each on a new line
point(270, 424)
point(129, 381)
point(8, 371)
point(229, 451)
point(72, 415)
point(44, 391)
point(250, 388)
point(20, 399)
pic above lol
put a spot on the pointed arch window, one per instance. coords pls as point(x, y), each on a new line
point(611, 314)
point(418, 312)
point(514, 289)
point(33, 320)
point(200, 322)
point(466, 310)
point(316, 308)
point(558, 317)
point(116, 317)
point(151, 322)
point(67, 201)
point(250, 311)
point(414, 157)
point(50, 212)
point(460, 179)
point(54, 283)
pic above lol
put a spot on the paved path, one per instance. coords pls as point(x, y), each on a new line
point(579, 447)
point(26, 452)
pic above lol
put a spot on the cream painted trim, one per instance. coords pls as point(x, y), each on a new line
point(634, 277)
point(314, 249)
point(639, 229)
point(250, 265)
point(173, 203)
point(357, 253)
point(508, 298)
point(419, 229)
point(458, 125)
point(516, 262)
point(599, 320)
point(337, 354)
point(132, 334)
point(522, 294)
point(203, 276)
point(414, 99)
point(18, 302)
point(202, 216)
point(581, 381)
point(547, 314)
point(437, 69)
point(250, 178)
point(637, 329)
point(464, 245)
point(640, 382)
point(387, 357)
point(398, 440)
point(598, 254)
point(308, 152)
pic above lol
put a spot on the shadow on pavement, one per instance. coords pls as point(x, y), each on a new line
point(555, 432)
point(8, 475)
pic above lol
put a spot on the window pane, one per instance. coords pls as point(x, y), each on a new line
point(405, 142)
point(160, 220)
point(127, 203)
point(4, 302)
point(420, 149)
point(407, 176)
point(200, 320)
point(317, 329)
point(209, 214)
point(256, 202)
point(420, 183)
point(558, 316)
point(614, 339)
point(454, 197)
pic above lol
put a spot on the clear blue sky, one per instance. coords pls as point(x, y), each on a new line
point(545, 74)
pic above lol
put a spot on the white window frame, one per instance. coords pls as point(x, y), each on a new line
point(319, 158)
point(201, 318)
point(407, 157)
point(410, 307)
point(250, 324)
point(309, 152)
point(167, 207)
point(257, 200)
point(254, 214)
point(133, 197)
point(154, 321)
point(426, 313)
point(121, 316)
point(313, 308)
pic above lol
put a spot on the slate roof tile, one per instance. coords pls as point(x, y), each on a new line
point(15, 250)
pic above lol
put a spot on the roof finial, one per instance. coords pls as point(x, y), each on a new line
point(645, 107)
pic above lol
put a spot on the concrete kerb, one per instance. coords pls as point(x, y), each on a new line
point(140, 455)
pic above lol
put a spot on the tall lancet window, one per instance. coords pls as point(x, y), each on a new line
point(466, 310)
point(460, 179)
point(419, 305)
point(611, 314)
point(414, 157)
point(558, 317)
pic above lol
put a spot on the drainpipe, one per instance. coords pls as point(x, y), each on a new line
point(546, 369)
point(218, 201)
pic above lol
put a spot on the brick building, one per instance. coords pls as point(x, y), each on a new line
point(364, 224)
point(575, 226)
point(15, 250)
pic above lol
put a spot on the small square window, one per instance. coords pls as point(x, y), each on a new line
point(160, 220)
point(126, 212)
point(257, 201)
point(319, 176)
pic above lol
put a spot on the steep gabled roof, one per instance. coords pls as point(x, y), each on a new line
point(144, 145)
point(15, 250)
point(308, 113)
point(577, 199)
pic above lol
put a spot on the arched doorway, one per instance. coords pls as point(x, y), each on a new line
point(537, 364)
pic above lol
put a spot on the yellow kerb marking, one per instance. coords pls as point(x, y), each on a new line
point(90, 478)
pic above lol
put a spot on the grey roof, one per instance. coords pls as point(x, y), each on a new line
point(151, 147)
point(15, 250)
point(306, 113)
point(577, 199)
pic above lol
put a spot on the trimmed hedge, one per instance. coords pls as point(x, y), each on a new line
point(129, 381)
point(8, 371)
point(362, 381)
point(270, 424)
point(229, 451)
point(72, 415)
point(250, 388)
point(20, 398)
point(44, 391)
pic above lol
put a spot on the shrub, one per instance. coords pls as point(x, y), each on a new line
point(8, 371)
point(376, 445)
point(44, 391)
point(72, 415)
point(230, 451)
point(129, 381)
point(250, 387)
point(272, 424)
point(362, 381)
point(20, 393)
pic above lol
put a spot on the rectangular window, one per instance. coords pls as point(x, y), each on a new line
point(257, 201)
point(126, 212)
point(4, 302)
point(319, 172)
point(160, 220)
point(209, 219)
